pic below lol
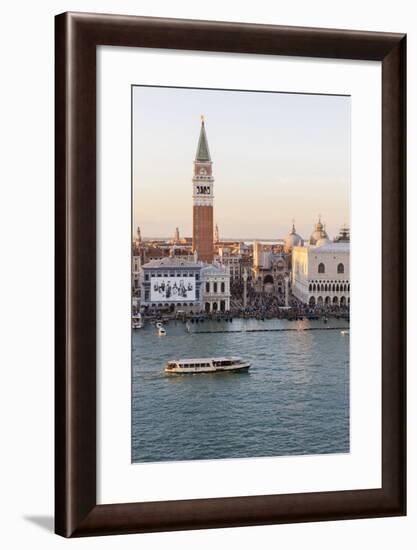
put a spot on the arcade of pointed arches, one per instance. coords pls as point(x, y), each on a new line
point(329, 286)
point(328, 301)
point(321, 287)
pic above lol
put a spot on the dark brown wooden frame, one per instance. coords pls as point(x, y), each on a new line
point(77, 36)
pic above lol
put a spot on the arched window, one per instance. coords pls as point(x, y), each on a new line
point(322, 286)
point(314, 287)
point(340, 268)
point(333, 287)
point(321, 268)
point(325, 287)
point(222, 288)
point(207, 287)
point(310, 287)
point(215, 287)
point(337, 288)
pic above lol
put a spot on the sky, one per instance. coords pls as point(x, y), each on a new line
point(277, 157)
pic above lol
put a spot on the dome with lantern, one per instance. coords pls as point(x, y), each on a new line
point(319, 234)
point(292, 239)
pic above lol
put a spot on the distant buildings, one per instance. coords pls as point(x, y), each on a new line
point(137, 261)
point(177, 236)
point(232, 260)
point(136, 269)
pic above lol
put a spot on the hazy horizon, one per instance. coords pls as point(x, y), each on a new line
point(276, 157)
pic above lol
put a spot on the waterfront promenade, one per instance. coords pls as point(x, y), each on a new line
point(260, 307)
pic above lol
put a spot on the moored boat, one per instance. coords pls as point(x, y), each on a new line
point(207, 365)
point(137, 321)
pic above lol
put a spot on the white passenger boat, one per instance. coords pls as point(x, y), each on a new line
point(207, 364)
point(137, 321)
point(344, 332)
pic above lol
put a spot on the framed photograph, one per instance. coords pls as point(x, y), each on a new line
point(230, 274)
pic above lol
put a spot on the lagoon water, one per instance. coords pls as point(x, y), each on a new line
point(293, 401)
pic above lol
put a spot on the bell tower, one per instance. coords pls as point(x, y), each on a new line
point(203, 183)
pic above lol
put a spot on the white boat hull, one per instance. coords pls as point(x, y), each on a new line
point(193, 370)
point(137, 322)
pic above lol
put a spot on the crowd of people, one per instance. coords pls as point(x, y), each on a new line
point(266, 305)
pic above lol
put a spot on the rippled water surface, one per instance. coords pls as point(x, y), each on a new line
point(294, 399)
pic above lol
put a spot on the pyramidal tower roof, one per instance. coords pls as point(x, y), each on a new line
point(203, 153)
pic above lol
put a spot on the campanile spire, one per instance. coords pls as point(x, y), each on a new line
point(203, 153)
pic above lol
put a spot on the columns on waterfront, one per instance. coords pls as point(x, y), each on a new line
point(245, 284)
point(287, 290)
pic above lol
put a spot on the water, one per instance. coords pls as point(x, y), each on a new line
point(293, 401)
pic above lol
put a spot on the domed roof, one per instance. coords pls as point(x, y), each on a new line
point(323, 241)
point(318, 233)
point(293, 239)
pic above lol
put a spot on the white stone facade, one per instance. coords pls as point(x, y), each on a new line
point(215, 288)
point(320, 274)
